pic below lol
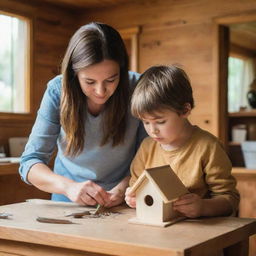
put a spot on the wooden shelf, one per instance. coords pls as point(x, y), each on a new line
point(245, 113)
point(243, 171)
point(231, 143)
point(8, 168)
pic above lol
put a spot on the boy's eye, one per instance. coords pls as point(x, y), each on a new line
point(145, 122)
point(161, 122)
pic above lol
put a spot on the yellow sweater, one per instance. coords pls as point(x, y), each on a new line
point(201, 164)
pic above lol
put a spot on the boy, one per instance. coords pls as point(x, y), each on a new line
point(163, 100)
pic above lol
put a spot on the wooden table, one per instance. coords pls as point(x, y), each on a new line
point(113, 235)
point(246, 184)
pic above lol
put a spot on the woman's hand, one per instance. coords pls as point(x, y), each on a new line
point(190, 205)
point(130, 198)
point(87, 193)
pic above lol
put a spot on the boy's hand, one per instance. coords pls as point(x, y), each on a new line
point(116, 197)
point(116, 194)
point(190, 205)
point(130, 198)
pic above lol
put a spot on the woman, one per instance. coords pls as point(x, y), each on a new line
point(85, 112)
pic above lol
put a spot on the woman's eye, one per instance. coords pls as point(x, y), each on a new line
point(110, 81)
point(89, 83)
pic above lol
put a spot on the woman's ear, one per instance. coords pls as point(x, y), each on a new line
point(186, 110)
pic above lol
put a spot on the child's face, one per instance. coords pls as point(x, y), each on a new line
point(165, 126)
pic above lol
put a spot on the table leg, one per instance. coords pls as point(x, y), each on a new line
point(239, 249)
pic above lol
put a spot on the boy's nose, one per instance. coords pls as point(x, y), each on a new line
point(154, 130)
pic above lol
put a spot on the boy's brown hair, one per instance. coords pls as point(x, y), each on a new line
point(162, 87)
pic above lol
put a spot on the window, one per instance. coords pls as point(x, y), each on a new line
point(14, 63)
point(241, 73)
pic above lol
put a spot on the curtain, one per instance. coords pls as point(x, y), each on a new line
point(241, 74)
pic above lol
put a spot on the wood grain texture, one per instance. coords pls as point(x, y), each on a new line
point(113, 235)
point(14, 190)
point(179, 32)
point(52, 28)
point(171, 31)
point(8, 169)
point(84, 4)
point(14, 248)
point(246, 184)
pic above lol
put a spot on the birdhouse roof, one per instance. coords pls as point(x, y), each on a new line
point(165, 180)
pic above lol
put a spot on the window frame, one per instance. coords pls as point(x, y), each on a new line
point(11, 116)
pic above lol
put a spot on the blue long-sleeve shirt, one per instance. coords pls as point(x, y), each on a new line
point(105, 165)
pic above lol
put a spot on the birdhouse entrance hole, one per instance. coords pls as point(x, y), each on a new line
point(148, 200)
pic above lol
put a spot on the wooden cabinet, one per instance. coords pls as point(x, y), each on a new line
point(13, 189)
point(248, 119)
point(246, 184)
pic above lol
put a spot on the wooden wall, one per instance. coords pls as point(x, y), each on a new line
point(52, 29)
point(178, 32)
point(171, 32)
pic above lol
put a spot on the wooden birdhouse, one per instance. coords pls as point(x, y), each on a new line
point(155, 190)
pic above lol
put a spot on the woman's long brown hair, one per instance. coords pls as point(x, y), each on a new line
point(89, 45)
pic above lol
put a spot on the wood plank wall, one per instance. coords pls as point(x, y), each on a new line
point(178, 32)
point(52, 29)
point(171, 32)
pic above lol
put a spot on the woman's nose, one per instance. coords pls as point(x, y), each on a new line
point(100, 90)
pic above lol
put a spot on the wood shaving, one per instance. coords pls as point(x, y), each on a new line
point(78, 214)
point(5, 215)
point(92, 214)
point(54, 221)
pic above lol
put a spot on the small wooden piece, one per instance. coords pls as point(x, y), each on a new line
point(54, 221)
point(79, 214)
point(4, 215)
point(155, 190)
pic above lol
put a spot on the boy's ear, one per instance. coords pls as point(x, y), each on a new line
point(186, 110)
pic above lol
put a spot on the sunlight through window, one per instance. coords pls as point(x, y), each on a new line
point(14, 64)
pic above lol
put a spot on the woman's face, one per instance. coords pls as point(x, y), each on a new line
point(98, 82)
